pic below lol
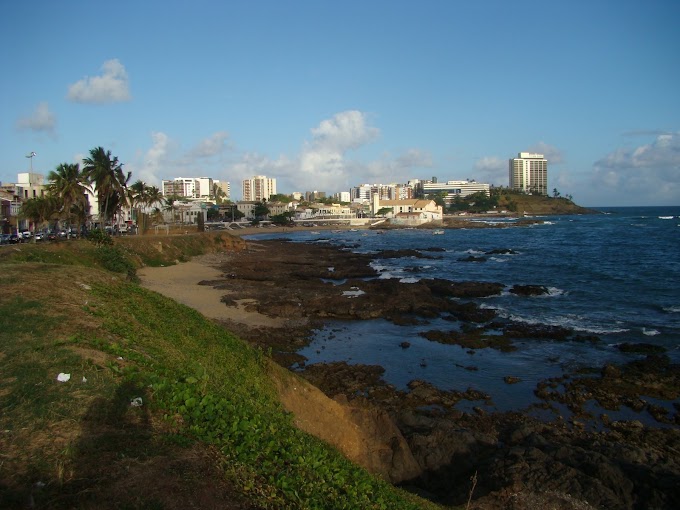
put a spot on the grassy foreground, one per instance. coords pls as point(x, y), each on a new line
point(162, 408)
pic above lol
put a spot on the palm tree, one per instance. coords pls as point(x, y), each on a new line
point(105, 174)
point(68, 187)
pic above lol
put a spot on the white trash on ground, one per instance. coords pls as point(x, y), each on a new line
point(62, 377)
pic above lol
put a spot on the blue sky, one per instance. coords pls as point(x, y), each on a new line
point(328, 95)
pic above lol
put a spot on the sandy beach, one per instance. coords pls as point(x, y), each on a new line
point(181, 283)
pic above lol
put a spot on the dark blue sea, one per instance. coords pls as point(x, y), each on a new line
point(615, 274)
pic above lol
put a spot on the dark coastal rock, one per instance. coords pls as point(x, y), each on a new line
point(509, 379)
point(405, 345)
point(521, 330)
point(641, 348)
point(474, 340)
point(405, 253)
point(470, 312)
point(529, 290)
point(504, 251)
point(447, 288)
point(472, 258)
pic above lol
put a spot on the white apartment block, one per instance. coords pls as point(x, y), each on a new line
point(204, 188)
point(343, 196)
point(529, 173)
point(455, 189)
point(258, 188)
point(184, 187)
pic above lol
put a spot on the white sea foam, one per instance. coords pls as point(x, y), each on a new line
point(497, 259)
point(650, 332)
point(671, 309)
point(410, 279)
point(355, 292)
point(575, 322)
point(554, 291)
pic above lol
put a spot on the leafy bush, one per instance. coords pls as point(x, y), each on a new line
point(100, 237)
point(114, 259)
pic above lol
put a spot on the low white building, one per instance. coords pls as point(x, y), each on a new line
point(409, 212)
point(453, 189)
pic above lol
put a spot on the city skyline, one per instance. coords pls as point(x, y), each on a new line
point(328, 96)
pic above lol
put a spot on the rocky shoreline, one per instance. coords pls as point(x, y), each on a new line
point(515, 460)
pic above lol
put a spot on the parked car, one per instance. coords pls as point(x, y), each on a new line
point(15, 239)
point(4, 239)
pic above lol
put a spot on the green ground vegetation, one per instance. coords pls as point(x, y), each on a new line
point(163, 408)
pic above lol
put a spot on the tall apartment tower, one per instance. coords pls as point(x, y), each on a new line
point(529, 173)
point(258, 188)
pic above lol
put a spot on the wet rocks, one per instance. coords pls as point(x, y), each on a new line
point(529, 290)
point(473, 340)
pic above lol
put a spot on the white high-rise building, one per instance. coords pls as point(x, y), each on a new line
point(529, 173)
point(258, 188)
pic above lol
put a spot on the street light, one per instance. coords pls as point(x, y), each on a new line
point(31, 156)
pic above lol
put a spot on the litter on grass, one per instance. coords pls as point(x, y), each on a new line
point(63, 377)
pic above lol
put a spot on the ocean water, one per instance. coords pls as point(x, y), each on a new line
point(615, 275)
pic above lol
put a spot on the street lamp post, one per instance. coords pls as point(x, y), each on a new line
point(31, 156)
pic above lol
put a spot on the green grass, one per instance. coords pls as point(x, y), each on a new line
point(201, 386)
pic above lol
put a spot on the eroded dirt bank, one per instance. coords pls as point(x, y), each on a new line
point(275, 292)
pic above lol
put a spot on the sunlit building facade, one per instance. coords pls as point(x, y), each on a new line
point(529, 173)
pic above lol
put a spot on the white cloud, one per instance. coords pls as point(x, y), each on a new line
point(491, 170)
point(645, 174)
point(346, 130)
point(211, 146)
point(550, 152)
point(165, 159)
point(110, 87)
point(41, 120)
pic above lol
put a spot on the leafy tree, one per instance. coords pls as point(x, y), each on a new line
point(384, 210)
point(38, 210)
point(260, 211)
point(218, 193)
point(439, 198)
point(154, 196)
point(213, 213)
point(285, 218)
point(458, 204)
point(105, 174)
point(279, 197)
point(67, 185)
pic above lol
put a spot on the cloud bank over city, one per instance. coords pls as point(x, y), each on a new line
point(323, 162)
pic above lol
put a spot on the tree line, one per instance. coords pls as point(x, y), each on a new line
point(102, 175)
